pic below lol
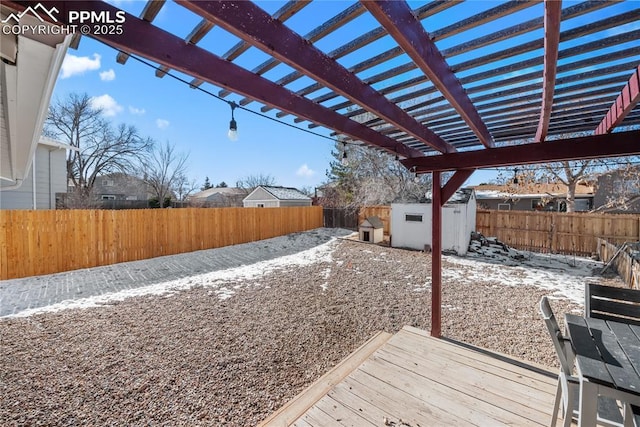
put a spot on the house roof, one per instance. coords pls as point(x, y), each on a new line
point(218, 190)
point(285, 193)
point(373, 221)
point(487, 191)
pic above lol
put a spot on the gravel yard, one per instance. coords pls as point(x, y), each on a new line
point(232, 352)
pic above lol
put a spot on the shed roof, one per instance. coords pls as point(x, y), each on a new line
point(462, 196)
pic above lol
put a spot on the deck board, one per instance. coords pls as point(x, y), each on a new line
point(423, 381)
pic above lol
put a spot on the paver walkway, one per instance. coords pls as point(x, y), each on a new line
point(17, 295)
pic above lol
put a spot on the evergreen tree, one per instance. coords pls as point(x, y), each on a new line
point(207, 185)
point(222, 185)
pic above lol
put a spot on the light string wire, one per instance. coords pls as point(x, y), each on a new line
point(233, 104)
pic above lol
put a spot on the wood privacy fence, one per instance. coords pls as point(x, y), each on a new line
point(50, 241)
point(382, 212)
point(557, 232)
point(623, 259)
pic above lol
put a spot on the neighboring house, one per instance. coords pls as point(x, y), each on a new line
point(535, 197)
point(38, 190)
point(275, 197)
point(121, 187)
point(218, 197)
point(411, 223)
point(618, 192)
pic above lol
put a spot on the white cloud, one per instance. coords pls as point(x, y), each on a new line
point(77, 65)
point(162, 123)
point(136, 111)
point(107, 76)
point(107, 104)
point(305, 171)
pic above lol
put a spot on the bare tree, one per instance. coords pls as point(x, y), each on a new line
point(371, 177)
point(164, 170)
point(570, 174)
point(183, 188)
point(621, 188)
point(102, 149)
point(252, 181)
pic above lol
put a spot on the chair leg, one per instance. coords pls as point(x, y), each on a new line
point(556, 405)
point(568, 409)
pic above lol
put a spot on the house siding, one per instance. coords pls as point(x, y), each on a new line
point(50, 179)
point(260, 195)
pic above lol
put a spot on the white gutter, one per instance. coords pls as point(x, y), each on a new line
point(33, 180)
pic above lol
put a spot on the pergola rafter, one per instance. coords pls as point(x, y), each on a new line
point(552, 11)
point(149, 13)
point(397, 19)
point(623, 105)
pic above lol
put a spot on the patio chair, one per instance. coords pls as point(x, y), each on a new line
point(568, 390)
point(611, 303)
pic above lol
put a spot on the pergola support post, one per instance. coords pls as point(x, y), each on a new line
point(436, 256)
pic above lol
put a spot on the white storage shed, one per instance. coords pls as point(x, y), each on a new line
point(411, 223)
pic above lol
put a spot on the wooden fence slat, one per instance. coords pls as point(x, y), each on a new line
point(51, 241)
point(558, 232)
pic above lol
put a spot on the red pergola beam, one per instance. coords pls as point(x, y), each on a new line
point(552, 16)
point(149, 13)
point(252, 24)
point(396, 17)
point(624, 104)
point(456, 180)
point(586, 147)
point(142, 38)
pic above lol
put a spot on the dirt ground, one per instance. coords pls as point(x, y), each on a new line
point(191, 359)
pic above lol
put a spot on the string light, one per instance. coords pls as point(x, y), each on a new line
point(345, 160)
point(233, 126)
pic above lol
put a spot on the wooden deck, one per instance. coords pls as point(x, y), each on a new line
point(411, 379)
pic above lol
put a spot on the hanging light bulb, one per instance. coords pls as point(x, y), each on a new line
point(515, 176)
point(416, 178)
point(233, 126)
point(345, 160)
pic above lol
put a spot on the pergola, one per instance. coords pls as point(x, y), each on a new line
point(509, 83)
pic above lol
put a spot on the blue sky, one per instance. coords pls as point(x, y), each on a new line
point(197, 123)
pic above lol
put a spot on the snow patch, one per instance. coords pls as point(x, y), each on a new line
point(215, 280)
